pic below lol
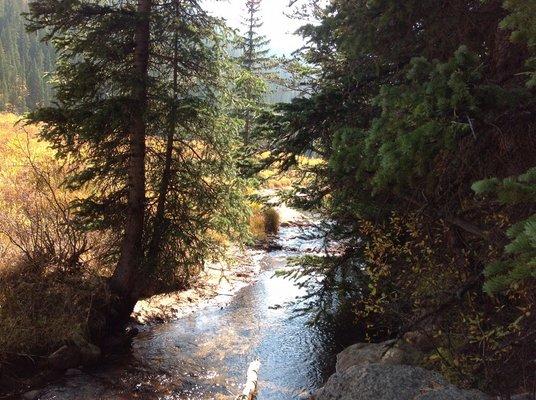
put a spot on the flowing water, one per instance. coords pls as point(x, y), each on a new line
point(206, 355)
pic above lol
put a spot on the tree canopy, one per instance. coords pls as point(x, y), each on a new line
point(410, 103)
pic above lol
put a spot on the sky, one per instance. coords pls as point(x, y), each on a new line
point(277, 27)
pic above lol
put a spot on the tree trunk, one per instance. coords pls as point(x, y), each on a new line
point(159, 228)
point(123, 280)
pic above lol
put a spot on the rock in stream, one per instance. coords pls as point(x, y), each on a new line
point(387, 371)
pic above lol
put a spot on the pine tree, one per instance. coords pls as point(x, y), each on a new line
point(94, 120)
point(256, 62)
point(24, 61)
point(195, 190)
point(389, 102)
point(143, 117)
point(519, 261)
point(255, 52)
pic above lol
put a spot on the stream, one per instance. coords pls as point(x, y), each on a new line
point(206, 354)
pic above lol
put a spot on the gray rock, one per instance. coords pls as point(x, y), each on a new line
point(389, 353)
point(359, 353)
point(524, 396)
point(31, 395)
point(64, 358)
point(392, 382)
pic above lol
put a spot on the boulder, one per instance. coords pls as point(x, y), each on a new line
point(31, 395)
point(372, 381)
point(67, 356)
point(390, 353)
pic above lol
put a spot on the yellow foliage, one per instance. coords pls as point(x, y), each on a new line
point(273, 178)
point(50, 272)
point(414, 266)
point(256, 222)
point(31, 195)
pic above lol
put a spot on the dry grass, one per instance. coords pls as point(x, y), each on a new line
point(273, 178)
point(48, 279)
point(263, 222)
point(19, 148)
point(271, 221)
point(40, 311)
point(256, 223)
point(266, 221)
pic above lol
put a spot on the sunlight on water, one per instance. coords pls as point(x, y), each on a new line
point(206, 354)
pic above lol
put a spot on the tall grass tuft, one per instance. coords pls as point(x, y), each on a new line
point(263, 222)
point(271, 221)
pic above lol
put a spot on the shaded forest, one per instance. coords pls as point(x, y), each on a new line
point(424, 113)
point(24, 61)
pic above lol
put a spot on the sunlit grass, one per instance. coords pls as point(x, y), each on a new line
point(263, 221)
point(274, 178)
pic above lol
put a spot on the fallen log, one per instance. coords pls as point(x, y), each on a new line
point(250, 387)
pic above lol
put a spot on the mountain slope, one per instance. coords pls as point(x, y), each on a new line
point(24, 61)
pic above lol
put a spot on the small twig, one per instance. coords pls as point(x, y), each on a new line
point(455, 297)
point(471, 126)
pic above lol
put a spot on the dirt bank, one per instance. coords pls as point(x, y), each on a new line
point(215, 285)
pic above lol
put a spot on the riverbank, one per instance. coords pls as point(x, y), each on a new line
point(215, 285)
point(214, 288)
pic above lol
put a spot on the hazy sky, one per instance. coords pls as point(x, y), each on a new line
point(277, 27)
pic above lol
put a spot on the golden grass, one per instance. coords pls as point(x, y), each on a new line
point(263, 222)
point(17, 142)
point(41, 305)
point(273, 178)
point(38, 313)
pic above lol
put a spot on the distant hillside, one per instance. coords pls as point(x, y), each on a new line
point(23, 61)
